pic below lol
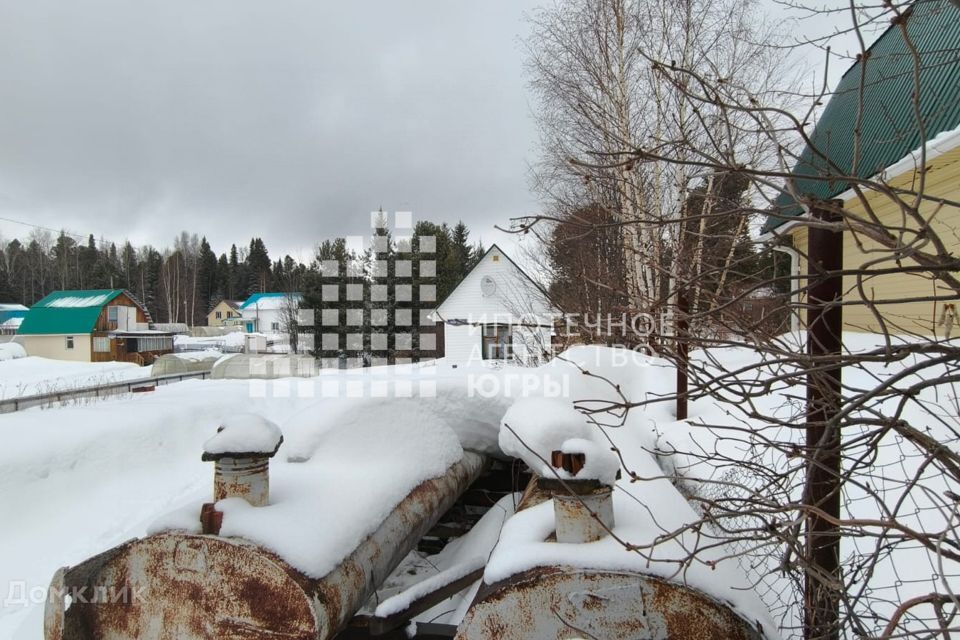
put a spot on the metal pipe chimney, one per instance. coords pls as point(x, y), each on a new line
point(583, 508)
point(241, 452)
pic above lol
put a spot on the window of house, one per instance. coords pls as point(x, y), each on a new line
point(497, 342)
point(100, 344)
point(219, 314)
point(275, 326)
point(112, 314)
point(150, 343)
point(69, 341)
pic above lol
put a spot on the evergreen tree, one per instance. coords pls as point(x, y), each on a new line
point(429, 241)
point(7, 291)
point(87, 264)
point(207, 280)
point(224, 278)
point(462, 251)
point(258, 264)
point(324, 290)
point(128, 267)
point(64, 254)
point(151, 269)
point(17, 270)
point(381, 299)
point(238, 280)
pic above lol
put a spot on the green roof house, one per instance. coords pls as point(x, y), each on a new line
point(876, 96)
point(92, 325)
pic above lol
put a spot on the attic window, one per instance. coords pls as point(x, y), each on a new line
point(112, 314)
point(496, 258)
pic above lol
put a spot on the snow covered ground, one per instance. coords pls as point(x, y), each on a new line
point(711, 451)
point(32, 375)
point(232, 341)
point(79, 479)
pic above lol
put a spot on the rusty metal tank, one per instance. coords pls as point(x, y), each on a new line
point(181, 586)
point(560, 603)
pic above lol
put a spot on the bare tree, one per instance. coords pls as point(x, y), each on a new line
point(835, 472)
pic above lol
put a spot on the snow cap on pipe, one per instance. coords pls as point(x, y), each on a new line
point(241, 449)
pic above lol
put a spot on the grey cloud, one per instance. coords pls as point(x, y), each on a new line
point(289, 120)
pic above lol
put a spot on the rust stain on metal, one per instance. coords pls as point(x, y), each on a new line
point(584, 518)
point(246, 478)
point(210, 519)
point(572, 463)
point(559, 603)
point(242, 593)
point(188, 587)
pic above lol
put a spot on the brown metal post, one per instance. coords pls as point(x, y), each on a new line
point(682, 325)
point(824, 343)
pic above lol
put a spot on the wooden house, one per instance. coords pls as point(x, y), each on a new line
point(496, 314)
point(877, 92)
point(224, 313)
point(99, 325)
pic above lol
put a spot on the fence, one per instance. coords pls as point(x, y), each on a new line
point(100, 391)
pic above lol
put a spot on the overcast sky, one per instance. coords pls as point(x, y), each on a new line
point(289, 120)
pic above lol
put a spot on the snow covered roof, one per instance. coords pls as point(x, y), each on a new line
point(269, 300)
point(142, 332)
point(170, 327)
point(12, 310)
point(67, 312)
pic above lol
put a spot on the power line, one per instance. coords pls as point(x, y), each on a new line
point(40, 226)
point(76, 236)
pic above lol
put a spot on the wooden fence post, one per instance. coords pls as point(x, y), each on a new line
point(682, 342)
point(823, 444)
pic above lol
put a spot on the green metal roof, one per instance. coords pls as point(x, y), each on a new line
point(67, 312)
point(889, 128)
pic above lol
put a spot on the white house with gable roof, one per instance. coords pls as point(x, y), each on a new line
point(269, 312)
point(497, 314)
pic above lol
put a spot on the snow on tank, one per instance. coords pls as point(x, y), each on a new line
point(533, 428)
point(243, 433)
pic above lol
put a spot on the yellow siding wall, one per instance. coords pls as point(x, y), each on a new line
point(55, 347)
point(943, 181)
point(226, 312)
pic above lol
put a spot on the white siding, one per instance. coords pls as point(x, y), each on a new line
point(263, 319)
point(515, 302)
point(460, 342)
